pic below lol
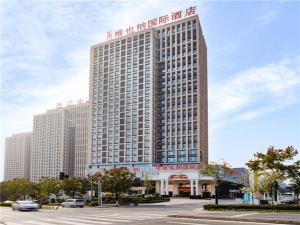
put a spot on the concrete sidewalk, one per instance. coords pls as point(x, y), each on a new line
point(275, 218)
point(180, 201)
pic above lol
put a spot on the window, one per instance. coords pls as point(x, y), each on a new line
point(192, 159)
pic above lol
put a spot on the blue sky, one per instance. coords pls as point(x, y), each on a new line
point(253, 64)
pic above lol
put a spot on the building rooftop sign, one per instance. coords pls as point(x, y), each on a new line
point(152, 23)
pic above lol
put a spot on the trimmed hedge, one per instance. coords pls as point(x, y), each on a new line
point(132, 199)
point(195, 197)
point(6, 204)
point(251, 207)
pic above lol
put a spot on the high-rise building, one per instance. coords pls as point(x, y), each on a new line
point(181, 93)
point(17, 156)
point(148, 100)
point(78, 114)
point(60, 138)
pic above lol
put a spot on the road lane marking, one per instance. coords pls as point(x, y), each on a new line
point(226, 221)
point(186, 223)
point(11, 223)
point(37, 222)
point(108, 219)
point(245, 214)
point(65, 222)
point(127, 217)
point(82, 220)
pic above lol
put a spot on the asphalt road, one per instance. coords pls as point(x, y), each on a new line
point(141, 215)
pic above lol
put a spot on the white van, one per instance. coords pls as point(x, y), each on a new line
point(73, 203)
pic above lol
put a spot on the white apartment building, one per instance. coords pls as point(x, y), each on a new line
point(78, 114)
point(60, 142)
point(17, 156)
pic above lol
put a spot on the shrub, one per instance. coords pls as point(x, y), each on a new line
point(251, 207)
point(195, 197)
point(263, 202)
point(132, 199)
point(54, 204)
point(6, 204)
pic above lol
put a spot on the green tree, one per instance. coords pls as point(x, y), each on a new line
point(252, 186)
point(49, 186)
point(217, 170)
point(34, 191)
point(84, 185)
point(148, 184)
point(117, 180)
point(273, 167)
point(268, 183)
point(8, 190)
point(16, 189)
point(71, 186)
point(23, 187)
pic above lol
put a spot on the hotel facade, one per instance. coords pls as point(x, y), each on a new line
point(148, 106)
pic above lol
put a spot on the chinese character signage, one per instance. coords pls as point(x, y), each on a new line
point(152, 23)
point(179, 167)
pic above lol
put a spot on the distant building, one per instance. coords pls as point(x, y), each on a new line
point(60, 142)
point(78, 114)
point(17, 156)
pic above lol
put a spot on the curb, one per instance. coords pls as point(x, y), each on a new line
point(274, 221)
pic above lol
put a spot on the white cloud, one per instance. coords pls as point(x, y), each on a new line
point(254, 92)
point(268, 16)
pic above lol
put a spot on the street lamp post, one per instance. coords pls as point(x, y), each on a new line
point(89, 174)
point(91, 180)
point(99, 193)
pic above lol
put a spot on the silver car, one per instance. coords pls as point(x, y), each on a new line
point(25, 206)
point(73, 203)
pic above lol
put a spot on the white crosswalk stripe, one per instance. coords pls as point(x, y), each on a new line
point(64, 219)
point(183, 223)
point(94, 219)
point(56, 221)
point(132, 217)
point(11, 223)
point(105, 218)
point(36, 222)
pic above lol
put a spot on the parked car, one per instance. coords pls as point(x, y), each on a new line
point(287, 198)
point(73, 203)
point(25, 206)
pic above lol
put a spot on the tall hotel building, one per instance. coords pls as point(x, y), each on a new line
point(148, 102)
point(60, 140)
point(17, 156)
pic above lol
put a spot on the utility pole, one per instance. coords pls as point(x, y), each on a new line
point(99, 193)
point(91, 189)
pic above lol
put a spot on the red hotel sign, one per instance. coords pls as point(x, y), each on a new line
point(152, 23)
point(179, 167)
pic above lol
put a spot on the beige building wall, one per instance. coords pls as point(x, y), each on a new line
point(78, 116)
point(60, 142)
point(17, 156)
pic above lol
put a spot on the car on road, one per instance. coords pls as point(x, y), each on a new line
point(73, 203)
point(25, 206)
